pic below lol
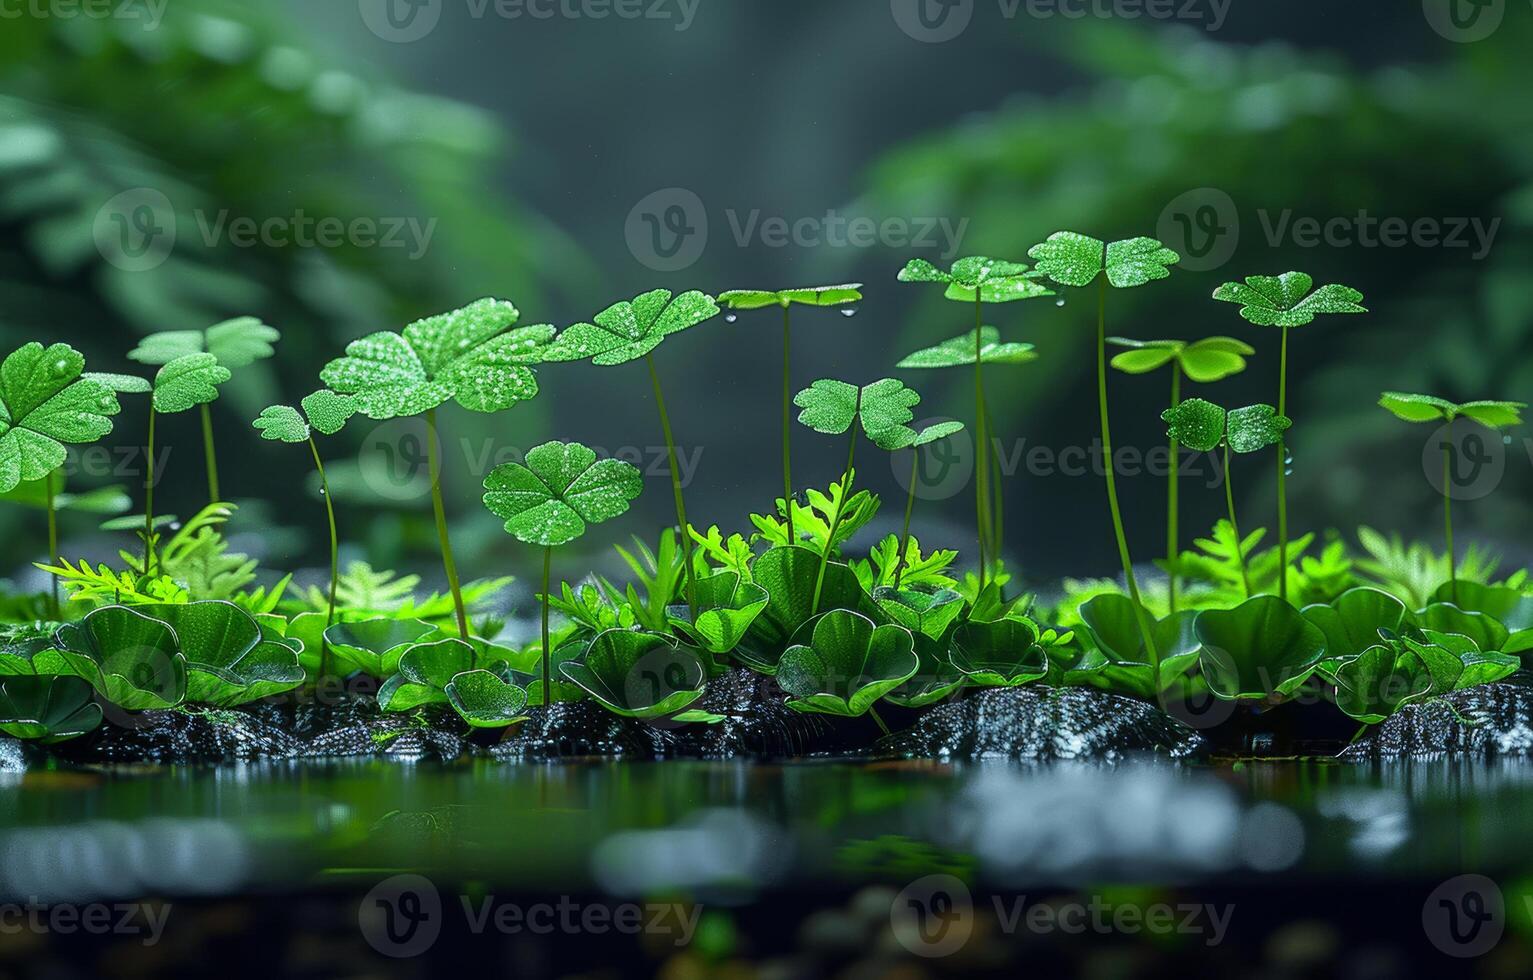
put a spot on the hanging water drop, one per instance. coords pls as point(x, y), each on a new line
point(849, 311)
point(1060, 302)
point(731, 317)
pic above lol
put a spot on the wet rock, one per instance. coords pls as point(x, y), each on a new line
point(181, 738)
point(757, 722)
point(1041, 723)
point(1496, 719)
point(357, 727)
point(583, 729)
point(11, 757)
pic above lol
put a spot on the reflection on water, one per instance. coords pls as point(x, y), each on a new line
point(734, 829)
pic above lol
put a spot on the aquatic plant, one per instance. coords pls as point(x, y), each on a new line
point(132, 660)
point(1263, 648)
point(1127, 664)
point(47, 710)
point(638, 674)
point(230, 658)
point(477, 679)
point(841, 663)
point(1007, 652)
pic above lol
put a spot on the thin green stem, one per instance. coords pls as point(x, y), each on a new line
point(1112, 480)
point(53, 540)
point(1173, 509)
point(210, 455)
point(997, 507)
point(1448, 511)
point(335, 561)
point(1282, 476)
point(1229, 501)
point(881, 726)
point(548, 683)
point(149, 497)
point(434, 466)
point(910, 506)
point(847, 477)
point(981, 445)
point(787, 419)
point(681, 506)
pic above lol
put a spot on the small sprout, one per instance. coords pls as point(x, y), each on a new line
point(843, 663)
point(1428, 408)
point(1261, 649)
point(638, 674)
point(978, 279)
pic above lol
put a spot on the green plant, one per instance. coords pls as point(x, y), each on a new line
point(892, 561)
point(627, 331)
point(661, 573)
point(472, 356)
point(549, 501)
point(726, 607)
point(814, 522)
point(842, 664)
point(1006, 652)
point(1353, 622)
point(756, 299)
point(183, 383)
point(477, 679)
point(48, 710)
point(639, 674)
point(1427, 408)
point(1263, 648)
point(791, 577)
point(328, 413)
point(1203, 361)
point(1126, 663)
point(980, 280)
point(132, 660)
point(1204, 426)
point(1511, 607)
point(1286, 301)
point(1073, 259)
point(230, 658)
point(1400, 670)
point(375, 646)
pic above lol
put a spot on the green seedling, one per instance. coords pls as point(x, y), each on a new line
point(182, 384)
point(374, 646)
point(755, 299)
point(1203, 426)
point(327, 413)
point(980, 280)
point(841, 664)
point(549, 501)
point(727, 605)
point(1512, 608)
point(47, 710)
point(630, 330)
point(1427, 408)
point(1401, 670)
point(1353, 622)
point(477, 679)
point(472, 356)
point(1202, 361)
point(797, 581)
point(1286, 301)
point(233, 344)
point(1072, 259)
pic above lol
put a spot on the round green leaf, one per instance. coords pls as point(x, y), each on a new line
point(187, 382)
point(282, 423)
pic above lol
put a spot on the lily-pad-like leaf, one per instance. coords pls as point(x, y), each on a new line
point(931, 614)
point(471, 356)
point(1354, 621)
point(1429, 408)
point(282, 423)
point(1262, 648)
point(1072, 259)
point(44, 403)
point(1286, 300)
point(788, 574)
point(47, 709)
point(1204, 361)
point(1197, 424)
point(1113, 625)
point(484, 699)
point(847, 665)
point(230, 658)
point(187, 382)
point(1003, 653)
point(1379, 681)
point(755, 299)
point(1255, 427)
point(960, 352)
point(935, 678)
point(726, 608)
point(1445, 617)
point(425, 670)
point(235, 343)
point(328, 411)
point(1510, 607)
point(629, 330)
point(637, 674)
point(562, 487)
point(374, 646)
point(989, 280)
point(132, 660)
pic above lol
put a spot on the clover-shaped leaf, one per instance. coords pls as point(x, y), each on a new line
point(847, 664)
point(960, 352)
point(470, 355)
point(755, 299)
point(629, 330)
point(562, 487)
point(328, 411)
point(1429, 408)
point(44, 403)
point(726, 607)
point(638, 674)
point(978, 277)
point(1113, 625)
point(788, 574)
point(235, 343)
point(132, 660)
point(1204, 361)
point(1255, 427)
point(1286, 300)
point(1197, 424)
point(187, 382)
point(231, 659)
point(883, 408)
point(282, 423)
point(48, 710)
point(1072, 259)
point(1261, 648)
point(374, 646)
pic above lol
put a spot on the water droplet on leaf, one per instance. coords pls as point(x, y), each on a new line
point(849, 311)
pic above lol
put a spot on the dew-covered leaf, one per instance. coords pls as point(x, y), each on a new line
point(187, 382)
point(829, 406)
point(282, 423)
point(562, 487)
point(633, 328)
point(755, 299)
point(1256, 427)
point(327, 411)
point(1286, 300)
point(960, 352)
point(44, 403)
point(1196, 424)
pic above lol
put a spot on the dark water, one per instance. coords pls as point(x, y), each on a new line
point(743, 830)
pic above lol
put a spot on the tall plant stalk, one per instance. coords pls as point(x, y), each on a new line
point(149, 496)
point(1282, 475)
point(1173, 508)
point(210, 455)
point(910, 506)
point(997, 504)
point(1229, 502)
point(548, 683)
point(335, 562)
point(1448, 511)
point(434, 468)
point(981, 445)
point(848, 475)
point(53, 539)
point(681, 505)
point(787, 419)
point(1112, 481)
